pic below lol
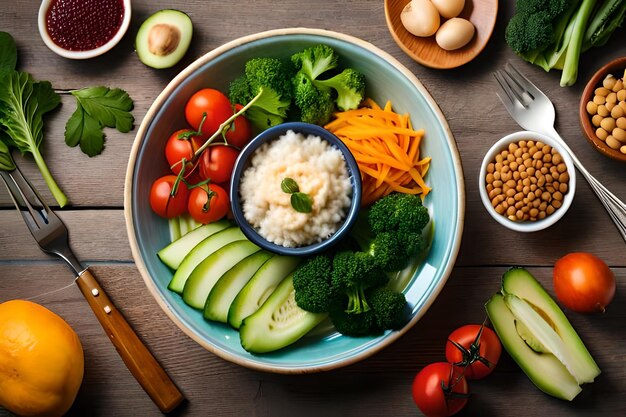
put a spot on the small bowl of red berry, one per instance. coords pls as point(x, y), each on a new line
point(82, 29)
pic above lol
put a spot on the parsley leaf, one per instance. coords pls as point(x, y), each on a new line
point(83, 129)
point(96, 108)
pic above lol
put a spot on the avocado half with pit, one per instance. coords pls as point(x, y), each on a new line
point(163, 38)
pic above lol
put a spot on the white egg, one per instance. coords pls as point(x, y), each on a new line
point(449, 8)
point(420, 17)
point(455, 33)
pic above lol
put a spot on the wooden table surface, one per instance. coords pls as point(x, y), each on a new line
point(379, 385)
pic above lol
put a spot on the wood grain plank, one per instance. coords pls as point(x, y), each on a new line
point(372, 387)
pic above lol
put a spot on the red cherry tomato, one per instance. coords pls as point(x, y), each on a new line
point(212, 102)
point(217, 162)
point(440, 390)
point(163, 202)
point(478, 355)
point(583, 282)
point(208, 206)
point(178, 148)
point(240, 131)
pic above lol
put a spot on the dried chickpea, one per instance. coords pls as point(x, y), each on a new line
point(621, 123)
point(617, 112)
point(592, 108)
point(602, 91)
point(601, 133)
point(613, 143)
point(609, 81)
point(621, 95)
point(608, 124)
point(623, 149)
point(619, 134)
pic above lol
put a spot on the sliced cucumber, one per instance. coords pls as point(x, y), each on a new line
point(206, 274)
point(174, 226)
point(228, 286)
point(174, 253)
point(259, 288)
point(279, 322)
point(200, 252)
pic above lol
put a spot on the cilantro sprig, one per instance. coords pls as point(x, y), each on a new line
point(96, 108)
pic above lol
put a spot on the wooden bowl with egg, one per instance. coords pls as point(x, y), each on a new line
point(425, 50)
point(603, 110)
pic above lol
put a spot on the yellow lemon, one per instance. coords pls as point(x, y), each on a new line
point(41, 360)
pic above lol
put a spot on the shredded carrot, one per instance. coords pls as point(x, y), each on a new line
point(386, 147)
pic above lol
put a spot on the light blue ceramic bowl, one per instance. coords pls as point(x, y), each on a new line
point(386, 79)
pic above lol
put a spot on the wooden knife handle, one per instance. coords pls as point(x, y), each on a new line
point(135, 354)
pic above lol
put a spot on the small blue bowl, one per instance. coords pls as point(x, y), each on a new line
point(243, 163)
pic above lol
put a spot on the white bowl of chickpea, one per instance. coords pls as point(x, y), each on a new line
point(527, 181)
point(603, 110)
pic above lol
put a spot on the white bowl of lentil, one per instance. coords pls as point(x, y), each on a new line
point(527, 181)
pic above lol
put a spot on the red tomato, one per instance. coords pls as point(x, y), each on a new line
point(217, 162)
point(583, 282)
point(240, 131)
point(163, 202)
point(205, 210)
point(478, 355)
point(214, 104)
point(178, 148)
point(440, 390)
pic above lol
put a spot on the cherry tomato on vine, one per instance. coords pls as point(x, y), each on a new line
point(163, 202)
point(440, 390)
point(240, 131)
point(217, 162)
point(208, 204)
point(177, 148)
point(583, 282)
point(212, 102)
point(479, 355)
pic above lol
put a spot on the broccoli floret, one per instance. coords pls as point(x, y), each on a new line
point(349, 86)
point(316, 106)
point(311, 281)
point(352, 274)
point(267, 81)
point(315, 61)
point(351, 324)
point(389, 307)
point(316, 97)
point(398, 212)
point(529, 32)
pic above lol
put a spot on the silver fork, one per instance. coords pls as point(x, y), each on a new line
point(534, 111)
point(52, 236)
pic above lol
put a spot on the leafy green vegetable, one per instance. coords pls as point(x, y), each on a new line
point(23, 102)
point(96, 108)
point(289, 186)
point(8, 54)
point(6, 160)
point(552, 34)
point(301, 202)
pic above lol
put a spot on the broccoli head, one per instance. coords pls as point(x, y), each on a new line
point(529, 32)
point(349, 85)
point(311, 281)
point(316, 106)
point(353, 273)
point(389, 307)
point(315, 61)
point(267, 81)
point(353, 324)
point(398, 212)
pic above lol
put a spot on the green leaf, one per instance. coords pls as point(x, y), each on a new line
point(83, 129)
point(6, 160)
point(111, 107)
point(23, 102)
point(8, 54)
point(289, 186)
point(301, 202)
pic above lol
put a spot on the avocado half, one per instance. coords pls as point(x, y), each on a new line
point(163, 38)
